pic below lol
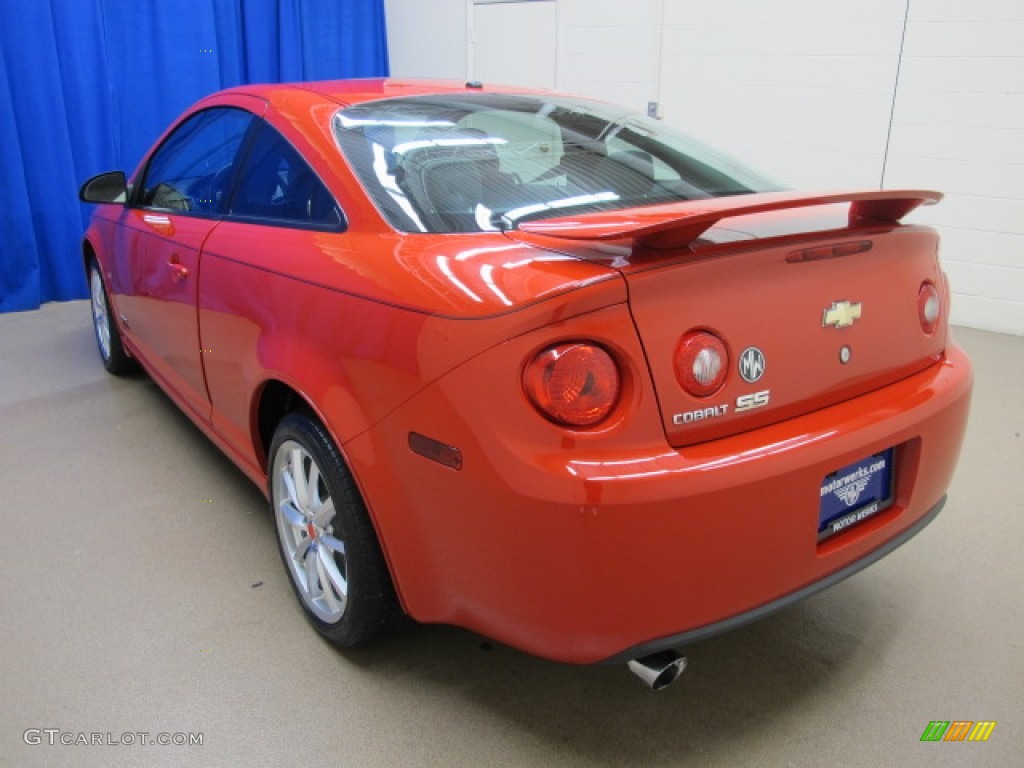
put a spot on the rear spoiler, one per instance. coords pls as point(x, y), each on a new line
point(677, 225)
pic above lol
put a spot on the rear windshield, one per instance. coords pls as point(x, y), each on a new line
point(478, 162)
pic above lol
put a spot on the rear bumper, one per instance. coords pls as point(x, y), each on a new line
point(594, 552)
point(763, 611)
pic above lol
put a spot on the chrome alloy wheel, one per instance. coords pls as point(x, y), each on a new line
point(100, 312)
point(305, 516)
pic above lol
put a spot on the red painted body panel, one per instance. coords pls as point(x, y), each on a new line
point(575, 545)
point(777, 306)
point(579, 547)
point(358, 337)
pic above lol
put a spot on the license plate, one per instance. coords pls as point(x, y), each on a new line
point(855, 493)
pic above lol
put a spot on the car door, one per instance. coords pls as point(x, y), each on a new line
point(176, 206)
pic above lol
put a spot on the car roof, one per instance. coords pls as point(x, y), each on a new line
point(357, 91)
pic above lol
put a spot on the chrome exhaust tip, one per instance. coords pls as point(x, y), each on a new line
point(659, 670)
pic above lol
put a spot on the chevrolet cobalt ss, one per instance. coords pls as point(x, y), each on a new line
point(531, 364)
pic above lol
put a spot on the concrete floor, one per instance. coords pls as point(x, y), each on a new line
point(142, 592)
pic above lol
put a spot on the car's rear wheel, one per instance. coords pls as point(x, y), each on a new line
point(326, 539)
point(108, 335)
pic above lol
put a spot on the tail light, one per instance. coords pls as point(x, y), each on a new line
point(929, 307)
point(575, 384)
point(702, 363)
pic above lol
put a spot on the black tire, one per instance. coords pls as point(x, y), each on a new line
point(325, 537)
point(108, 336)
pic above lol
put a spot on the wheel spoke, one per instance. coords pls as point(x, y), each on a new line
point(312, 577)
point(289, 487)
point(313, 486)
point(336, 583)
point(298, 480)
point(333, 545)
point(324, 514)
point(301, 549)
point(291, 515)
point(328, 599)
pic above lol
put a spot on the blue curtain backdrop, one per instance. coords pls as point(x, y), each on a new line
point(87, 85)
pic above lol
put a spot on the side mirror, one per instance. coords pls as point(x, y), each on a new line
point(110, 187)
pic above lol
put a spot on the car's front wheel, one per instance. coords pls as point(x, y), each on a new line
point(326, 539)
point(108, 335)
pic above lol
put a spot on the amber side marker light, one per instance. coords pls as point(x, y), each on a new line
point(573, 384)
point(929, 307)
point(701, 363)
point(435, 450)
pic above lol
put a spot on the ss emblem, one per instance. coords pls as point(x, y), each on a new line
point(752, 401)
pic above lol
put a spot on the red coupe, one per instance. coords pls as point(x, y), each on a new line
point(530, 364)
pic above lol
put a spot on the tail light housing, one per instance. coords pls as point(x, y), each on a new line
point(701, 363)
point(929, 307)
point(574, 384)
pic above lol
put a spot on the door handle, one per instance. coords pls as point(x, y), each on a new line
point(178, 270)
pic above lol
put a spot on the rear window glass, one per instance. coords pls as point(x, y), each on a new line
point(485, 162)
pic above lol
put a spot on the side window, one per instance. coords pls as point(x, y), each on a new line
point(277, 184)
point(192, 169)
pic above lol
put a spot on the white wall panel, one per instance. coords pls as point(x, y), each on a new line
point(612, 13)
point(988, 313)
point(970, 246)
point(515, 43)
point(427, 39)
point(778, 12)
point(612, 50)
point(981, 145)
point(964, 38)
point(967, 10)
point(818, 34)
point(998, 76)
point(998, 182)
point(802, 89)
point(986, 297)
point(958, 126)
point(968, 108)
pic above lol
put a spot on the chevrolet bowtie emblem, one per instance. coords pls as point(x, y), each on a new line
point(841, 314)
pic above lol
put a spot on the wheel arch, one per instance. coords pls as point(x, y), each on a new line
point(88, 255)
point(274, 401)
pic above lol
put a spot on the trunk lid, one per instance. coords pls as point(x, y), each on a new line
point(814, 296)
